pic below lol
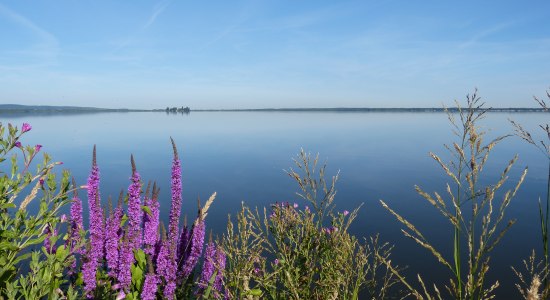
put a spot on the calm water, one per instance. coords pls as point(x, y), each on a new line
point(241, 156)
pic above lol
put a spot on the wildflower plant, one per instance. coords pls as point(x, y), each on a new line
point(476, 217)
point(295, 253)
point(33, 253)
point(131, 256)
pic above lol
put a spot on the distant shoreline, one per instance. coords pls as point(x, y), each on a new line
point(354, 109)
point(23, 109)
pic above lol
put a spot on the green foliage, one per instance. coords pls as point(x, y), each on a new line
point(27, 269)
point(311, 254)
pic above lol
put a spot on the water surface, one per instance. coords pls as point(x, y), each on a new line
point(242, 155)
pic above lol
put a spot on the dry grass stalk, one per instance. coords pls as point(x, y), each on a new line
point(473, 211)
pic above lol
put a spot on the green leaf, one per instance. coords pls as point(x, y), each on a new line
point(141, 260)
point(137, 277)
point(208, 290)
point(61, 252)
point(146, 209)
point(7, 205)
point(254, 292)
point(123, 220)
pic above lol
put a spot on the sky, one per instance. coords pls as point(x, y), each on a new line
point(273, 54)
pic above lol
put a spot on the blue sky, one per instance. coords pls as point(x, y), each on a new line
point(259, 54)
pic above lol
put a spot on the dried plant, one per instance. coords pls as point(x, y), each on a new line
point(472, 210)
point(544, 210)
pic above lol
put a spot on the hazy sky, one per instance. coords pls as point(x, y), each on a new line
point(258, 54)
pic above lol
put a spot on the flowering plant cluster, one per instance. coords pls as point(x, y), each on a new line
point(129, 254)
point(294, 253)
point(33, 257)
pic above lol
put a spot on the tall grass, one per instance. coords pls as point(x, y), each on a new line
point(542, 272)
point(476, 217)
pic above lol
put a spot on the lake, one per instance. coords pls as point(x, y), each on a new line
point(242, 155)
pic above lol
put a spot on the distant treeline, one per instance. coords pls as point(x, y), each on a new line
point(365, 109)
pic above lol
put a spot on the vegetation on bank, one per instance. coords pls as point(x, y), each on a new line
point(285, 251)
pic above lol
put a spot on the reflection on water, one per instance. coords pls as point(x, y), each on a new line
point(242, 155)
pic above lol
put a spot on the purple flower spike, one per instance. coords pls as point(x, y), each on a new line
point(135, 213)
point(151, 222)
point(173, 225)
point(170, 290)
point(214, 260)
point(112, 237)
point(95, 254)
point(208, 267)
point(197, 241)
point(150, 287)
point(175, 209)
point(166, 269)
point(126, 260)
point(26, 127)
point(220, 265)
point(76, 220)
point(47, 241)
point(184, 248)
point(89, 268)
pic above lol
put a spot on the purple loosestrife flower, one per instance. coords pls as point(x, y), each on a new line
point(47, 242)
point(150, 287)
point(214, 260)
point(184, 248)
point(173, 225)
point(346, 213)
point(125, 263)
point(112, 238)
point(166, 269)
point(17, 144)
point(89, 268)
point(197, 241)
point(37, 148)
point(135, 213)
point(175, 209)
point(220, 265)
point(151, 222)
point(207, 267)
point(95, 255)
point(170, 290)
point(76, 218)
point(26, 127)
point(162, 258)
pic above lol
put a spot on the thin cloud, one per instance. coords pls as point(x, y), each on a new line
point(157, 11)
point(43, 34)
point(159, 8)
point(483, 34)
